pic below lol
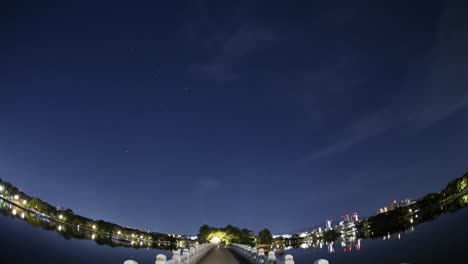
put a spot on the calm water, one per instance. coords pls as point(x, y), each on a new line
point(22, 243)
point(444, 240)
point(431, 242)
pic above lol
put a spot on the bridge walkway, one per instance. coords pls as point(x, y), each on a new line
point(218, 256)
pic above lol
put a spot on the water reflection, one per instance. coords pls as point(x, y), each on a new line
point(384, 227)
point(69, 231)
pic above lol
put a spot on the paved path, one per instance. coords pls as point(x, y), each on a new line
point(219, 256)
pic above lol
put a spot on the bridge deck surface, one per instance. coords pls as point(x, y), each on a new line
point(219, 256)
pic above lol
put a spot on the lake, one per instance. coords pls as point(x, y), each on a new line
point(22, 243)
point(443, 240)
point(440, 241)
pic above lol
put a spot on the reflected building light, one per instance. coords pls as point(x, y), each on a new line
point(358, 245)
point(388, 236)
point(330, 248)
point(399, 236)
point(93, 236)
point(14, 211)
point(411, 220)
point(60, 228)
point(22, 215)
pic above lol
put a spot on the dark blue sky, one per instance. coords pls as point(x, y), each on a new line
point(167, 115)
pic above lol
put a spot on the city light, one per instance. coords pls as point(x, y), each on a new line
point(60, 217)
point(22, 215)
point(60, 228)
point(1, 188)
point(94, 226)
point(16, 197)
point(215, 240)
point(119, 233)
point(14, 211)
point(93, 236)
point(25, 202)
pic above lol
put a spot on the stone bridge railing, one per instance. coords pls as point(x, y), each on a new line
point(255, 256)
point(192, 256)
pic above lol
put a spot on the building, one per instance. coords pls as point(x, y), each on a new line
point(328, 225)
point(345, 218)
point(355, 217)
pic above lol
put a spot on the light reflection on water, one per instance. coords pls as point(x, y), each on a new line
point(440, 241)
point(21, 242)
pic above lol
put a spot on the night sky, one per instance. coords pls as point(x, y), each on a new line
point(167, 115)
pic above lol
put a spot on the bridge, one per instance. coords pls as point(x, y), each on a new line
point(213, 254)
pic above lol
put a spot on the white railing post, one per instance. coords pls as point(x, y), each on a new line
point(271, 257)
point(321, 261)
point(192, 256)
point(289, 259)
point(260, 256)
point(161, 259)
point(176, 256)
point(253, 255)
point(186, 255)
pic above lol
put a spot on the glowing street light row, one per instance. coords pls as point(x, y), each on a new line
point(61, 217)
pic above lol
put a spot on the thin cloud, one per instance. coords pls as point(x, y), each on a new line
point(443, 82)
point(228, 53)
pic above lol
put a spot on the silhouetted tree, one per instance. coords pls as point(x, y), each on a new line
point(264, 237)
